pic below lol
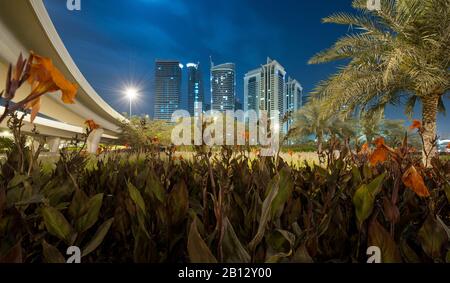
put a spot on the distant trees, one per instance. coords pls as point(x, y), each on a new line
point(141, 132)
point(312, 121)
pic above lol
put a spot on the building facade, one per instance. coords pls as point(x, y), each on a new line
point(293, 96)
point(252, 90)
point(168, 76)
point(195, 89)
point(272, 88)
point(223, 87)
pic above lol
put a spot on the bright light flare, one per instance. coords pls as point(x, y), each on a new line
point(131, 93)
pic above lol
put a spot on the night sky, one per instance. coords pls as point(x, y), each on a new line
point(115, 42)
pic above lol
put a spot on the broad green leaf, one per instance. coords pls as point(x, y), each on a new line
point(154, 188)
point(136, 196)
point(379, 237)
point(364, 198)
point(433, 237)
point(14, 196)
point(284, 192)
point(97, 239)
point(197, 249)
point(375, 186)
point(78, 205)
point(13, 255)
point(356, 176)
point(363, 202)
point(408, 253)
point(233, 250)
point(56, 191)
point(91, 216)
point(301, 255)
point(141, 221)
point(51, 254)
point(16, 180)
point(178, 203)
point(56, 224)
point(445, 227)
point(280, 243)
point(273, 188)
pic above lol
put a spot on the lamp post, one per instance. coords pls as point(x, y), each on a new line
point(131, 93)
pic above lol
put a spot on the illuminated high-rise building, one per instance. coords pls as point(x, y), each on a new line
point(168, 78)
point(293, 96)
point(223, 86)
point(195, 89)
point(252, 90)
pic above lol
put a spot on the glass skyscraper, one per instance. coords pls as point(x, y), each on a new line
point(266, 88)
point(272, 88)
point(167, 88)
point(195, 89)
point(252, 89)
point(294, 92)
point(223, 85)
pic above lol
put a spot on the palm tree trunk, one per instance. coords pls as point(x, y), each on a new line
point(319, 144)
point(429, 116)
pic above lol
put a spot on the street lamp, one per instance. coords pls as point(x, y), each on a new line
point(131, 93)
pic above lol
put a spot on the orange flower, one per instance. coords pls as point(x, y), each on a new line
point(448, 146)
point(380, 154)
point(290, 152)
point(91, 125)
point(379, 142)
point(44, 78)
point(415, 125)
point(364, 148)
point(413, 180)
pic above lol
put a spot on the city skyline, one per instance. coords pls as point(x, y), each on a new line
point(126, 36)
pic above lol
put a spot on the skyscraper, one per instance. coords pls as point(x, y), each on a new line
point(272, 88)
point(167, 88)
point(294, 92)
point(252, 90)
point(195, 89)
point(223, 85)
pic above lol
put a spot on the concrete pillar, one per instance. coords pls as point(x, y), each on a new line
point(53, 144)
point(94, 140)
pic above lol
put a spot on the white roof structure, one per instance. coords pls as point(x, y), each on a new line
point(25, 25)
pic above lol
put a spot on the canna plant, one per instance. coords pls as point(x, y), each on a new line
point(223, 205)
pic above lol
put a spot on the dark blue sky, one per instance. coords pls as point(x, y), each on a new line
point(115, 42)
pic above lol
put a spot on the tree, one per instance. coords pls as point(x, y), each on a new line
point(393, 131)
point(399, 52)
point(312, 120)
point(141, 132)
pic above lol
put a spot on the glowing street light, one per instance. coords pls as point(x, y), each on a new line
point(131, 93)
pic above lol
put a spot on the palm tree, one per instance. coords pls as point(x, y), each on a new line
point(312, 120)
point(393, 131)
point(401, 51)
